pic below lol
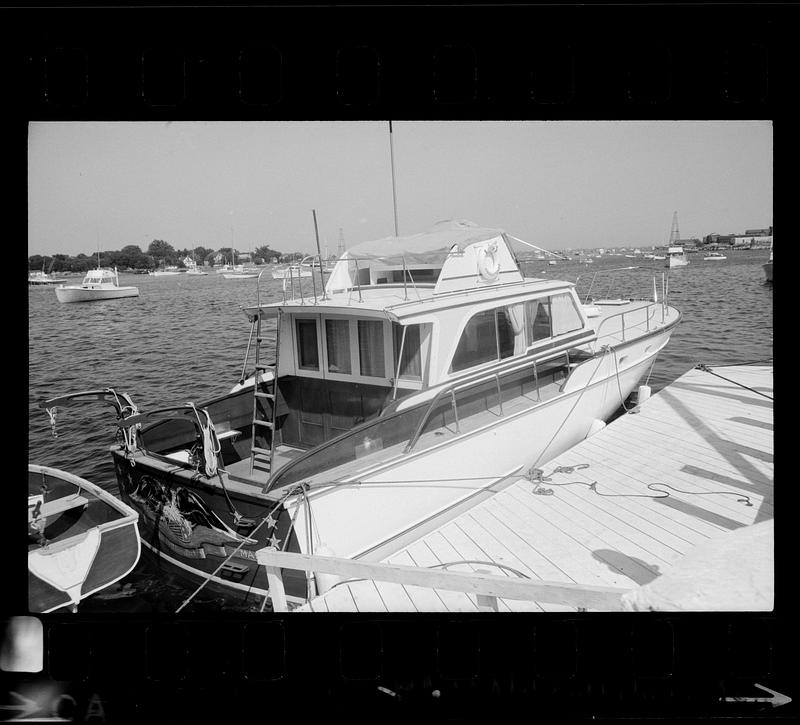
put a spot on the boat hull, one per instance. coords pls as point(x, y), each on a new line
point(483, 460)
point(89, 547)
point(411, 493)
point(84, 294)
point(768, 272)
point(199, 549)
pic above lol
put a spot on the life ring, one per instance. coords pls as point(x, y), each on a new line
point(488, 264)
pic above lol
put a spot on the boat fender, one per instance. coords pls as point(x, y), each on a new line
point(325, 581)
point(596, 426)
point(643, 394)
point(488, 264)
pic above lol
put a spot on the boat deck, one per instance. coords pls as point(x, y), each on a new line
point(601, 517)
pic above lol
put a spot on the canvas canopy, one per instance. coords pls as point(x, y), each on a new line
point(430, 247)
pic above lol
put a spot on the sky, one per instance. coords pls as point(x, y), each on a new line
point(554, 184)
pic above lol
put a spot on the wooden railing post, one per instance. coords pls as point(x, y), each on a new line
point(276, 590)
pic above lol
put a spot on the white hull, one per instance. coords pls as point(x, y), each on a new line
point(240, 276)
point(673, 262)
point(768, 271)
point(373, 520)
point(84, 294)
point(163, 274)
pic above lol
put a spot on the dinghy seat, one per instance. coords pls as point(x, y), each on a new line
point(59, 505)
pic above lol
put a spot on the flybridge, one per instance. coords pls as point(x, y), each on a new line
point(452, 255)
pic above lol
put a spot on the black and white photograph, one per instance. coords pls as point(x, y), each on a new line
point(400, 366)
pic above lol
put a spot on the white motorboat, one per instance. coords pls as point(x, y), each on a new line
point(170, 271)
point(291, 271)
point(193, 270)
point(768, 268)
point(241, 275)
point(37, 278)
point(98, 284)
point(714, 257)
point(81, 539)
point(426, 375)
point(676, 257)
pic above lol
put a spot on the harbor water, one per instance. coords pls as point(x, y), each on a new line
point(184, 339)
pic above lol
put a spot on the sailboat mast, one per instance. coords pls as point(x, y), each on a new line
point(394, 190)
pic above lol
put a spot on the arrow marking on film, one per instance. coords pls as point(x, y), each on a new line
point(776, 700)
point(24, 708)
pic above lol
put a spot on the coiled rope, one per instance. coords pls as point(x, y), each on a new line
point(537, 476)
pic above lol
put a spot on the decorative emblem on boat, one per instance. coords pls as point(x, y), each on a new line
point(488, 264)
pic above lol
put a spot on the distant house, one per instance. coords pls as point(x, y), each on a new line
point(219, 258)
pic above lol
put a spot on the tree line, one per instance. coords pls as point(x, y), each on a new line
point(159, 253)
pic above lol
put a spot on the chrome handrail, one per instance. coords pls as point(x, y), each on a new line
point(622, 314)
point(454, 388)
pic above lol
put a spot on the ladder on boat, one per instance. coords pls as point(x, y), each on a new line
point(264, 403)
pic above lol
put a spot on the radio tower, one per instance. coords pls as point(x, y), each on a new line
point(674, 234)
point(340, 248)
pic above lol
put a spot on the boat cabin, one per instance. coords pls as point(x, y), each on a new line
point(399, 323)
point(100, 276)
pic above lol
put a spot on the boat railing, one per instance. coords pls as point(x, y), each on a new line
point(650, 312)
point(304, 262)
point(460, 387)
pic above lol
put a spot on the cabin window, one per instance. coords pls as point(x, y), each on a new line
point(538, 316)
point(410, 366)
point(489, 335)
point(307, 351)
point(565, 315)
point(337, 341)
point(370, 348)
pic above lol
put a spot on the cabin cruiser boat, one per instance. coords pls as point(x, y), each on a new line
point(81, 539)
point(165, 272)
point(676, 257)
point(195, 271)
point(427, 372)
point(714, 257)
point(98, 284)
point(239, 271)
point(37, 278)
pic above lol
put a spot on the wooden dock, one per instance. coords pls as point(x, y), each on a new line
point(622, 509)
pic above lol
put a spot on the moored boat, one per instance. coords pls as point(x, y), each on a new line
point(768, 268)
point(81, 539)
point(714, 257)
point(291, 271)
point(425, 374)
point(36, 278)
point(676, 257)
point(165, 272)
point(98, 284)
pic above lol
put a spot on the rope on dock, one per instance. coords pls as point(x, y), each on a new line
point(537, 476)
point(707, 369)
